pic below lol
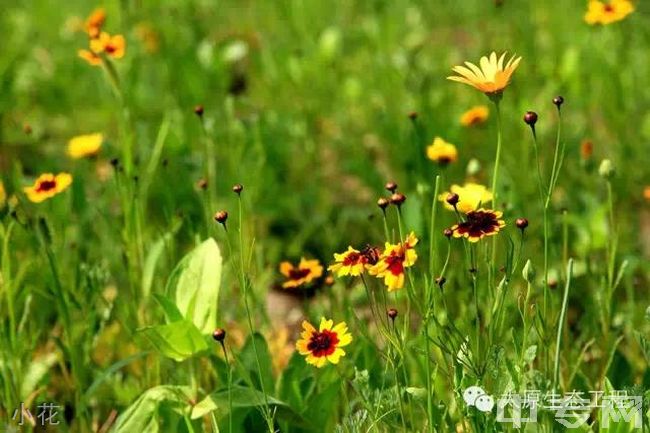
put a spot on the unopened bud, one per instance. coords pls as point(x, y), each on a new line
point(221, 217)
point(391, 186)
point(392, 313)
point(529, 271)
point(219, 334)
point(530, 118)
point(606, 169)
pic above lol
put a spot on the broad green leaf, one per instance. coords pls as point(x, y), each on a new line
point(142, 415)
point(249, 360)
point(178, 340)
point(149, 270)
point(195, 283)
point(169, 308)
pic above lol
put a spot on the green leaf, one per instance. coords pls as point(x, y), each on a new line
point(195, 282)
point(249, 360)
point(142, 415)
point(149, 269)
point(178, 340)
point(169, 308)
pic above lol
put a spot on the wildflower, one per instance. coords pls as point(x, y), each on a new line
point(479, 223)
point(586, 149)
point(646, 193)
point(475, 116)
point(324, 344)
point(521, 223)
point(219, 334)
point(147, 36)
point(237, 188)
point(599, 12)
point(85, 145)
point(113, 46)
point(46, 186)
point(442, 152)
point(352, 262)
point(90, 57)
point(606, 169)
point(221, 217)
point(491, 78)
point(304, 273)
point(394, 260)
point(383, 203)
point(94, 23)
point(471, 196)
point(391, 186)
point(397, 199)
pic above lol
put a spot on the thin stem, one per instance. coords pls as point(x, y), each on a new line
point(225, 355)
point(432, 242)
point(560, 326)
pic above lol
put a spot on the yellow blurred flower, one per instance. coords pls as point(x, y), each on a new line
point(492, 76)
point(475, 115)
point(442, 152)
point(46, 186)
point(280, 347)
point(85, 145)
point(393, 262)
point(3, 195)
point(90, 57)
point(148, 36)
point(94, 22)
point(599, 12)
point(646, 193)
point(304, 273)
point(323, 345)
point(113, 46)
point(471, 195)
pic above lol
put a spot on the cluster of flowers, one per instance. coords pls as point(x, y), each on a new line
point(101, 43)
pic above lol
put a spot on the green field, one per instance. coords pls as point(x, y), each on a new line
point(168, 271)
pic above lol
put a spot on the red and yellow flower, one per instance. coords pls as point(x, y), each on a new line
point(90, 57)
point(475, 115)
point(46, 186)
point(394, 261)
point(95, 22)
point(354, 262)
point(306, 272)
point(323, 345)
point(112, 46)
point(479, 224)
point(599, 12)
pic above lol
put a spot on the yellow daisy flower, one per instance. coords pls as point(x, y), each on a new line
point(85, 145)
point(599, 12)
point(353, 262)
point(46, 186)
point(442, 152)
point(304, 273)
point(478, 224)
point(492, 76)
point(94, 22)
point(475, 115)
point(113, 46)
point(393, 262)
point(471, 195)
point(323, 345)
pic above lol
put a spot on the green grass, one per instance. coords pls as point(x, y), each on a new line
point(103, 313)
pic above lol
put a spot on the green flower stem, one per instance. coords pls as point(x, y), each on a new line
point(560, 325)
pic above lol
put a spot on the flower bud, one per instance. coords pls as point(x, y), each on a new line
point(473, 167)
point(528, 272)
point(558, 101)
point(397, 199)
point(219, 334)
point(452, 199)
point(530, 118)
point(198, 110)
point(237, 188)
point(221, 217)
point(413, 115)
point(521, 223)
point(440, 281)
point(447, 232)
point(202, 184)
point(606, 169)
point(391, 186)
point(392, 313)
point(383, 203)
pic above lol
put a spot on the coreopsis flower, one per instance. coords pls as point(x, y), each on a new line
point(94, 22)
point(90, 57)
point(393, 262)
point(354, 262)
point(478, 224)
point(113, 46)
point(491, 77)
point(442, 152)
point(470, 196)
point(323, 345)
point(599, 12)
point(306, 272)
point(475, 116)
point(85, 145)
point(46, 186)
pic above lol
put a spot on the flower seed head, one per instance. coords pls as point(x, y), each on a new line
point(448, 232)
point(397, 199)
point(198, 110)
point(221, 217)
point(383, 203)
point(237, 188)
point(521, 223)
point(558, 101)
point(202, 184)
point(391, 186)
point(452, 198)
point(219, 334)
point(392, 313)
point(530, 118)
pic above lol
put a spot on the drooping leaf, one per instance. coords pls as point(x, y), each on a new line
point(178, 340)
point(249, 360)
point(195, 283)
point(142, 415)
point(169, 308)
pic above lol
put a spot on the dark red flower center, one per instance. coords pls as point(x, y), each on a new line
point(46, 185)
point(352, 259)
point(609, 8)
point(323, 343)
point(395, 263)
point(479, 223)
point(110, 48)
point(299, 273)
